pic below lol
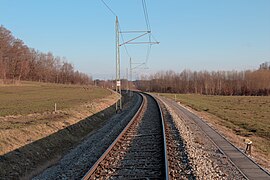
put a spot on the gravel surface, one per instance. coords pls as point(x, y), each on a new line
point(177, 155)
point(80, 159)
point(139, 152)
point(205, 159)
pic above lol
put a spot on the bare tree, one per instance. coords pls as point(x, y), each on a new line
point(19, 62)
point(255, 82)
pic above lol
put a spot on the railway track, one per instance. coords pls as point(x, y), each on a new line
point(151, 146)
point(139, 152)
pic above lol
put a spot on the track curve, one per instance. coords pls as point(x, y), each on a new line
point(139, 151)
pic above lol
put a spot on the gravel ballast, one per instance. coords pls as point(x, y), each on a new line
point(206, 160)
point(80, 159)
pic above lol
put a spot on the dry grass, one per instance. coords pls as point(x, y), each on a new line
point(246, 116)
point(27, 110)
point(30, 97)
point(28, 150)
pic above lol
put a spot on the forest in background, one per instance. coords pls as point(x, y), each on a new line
point(19, 62)
point(249, 82)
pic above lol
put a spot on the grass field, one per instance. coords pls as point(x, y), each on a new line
point(27, 111)
point(245, 115)
point(31, 97)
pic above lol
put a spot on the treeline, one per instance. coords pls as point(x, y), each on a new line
point(255, 83)
point(19, 62)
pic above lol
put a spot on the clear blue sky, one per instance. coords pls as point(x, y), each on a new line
point(194, 34)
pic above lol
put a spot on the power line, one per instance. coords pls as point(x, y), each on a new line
point(148, 53)
point(147, 22)
point(123, 42)
point(154, 37)
point(119, 34)
point(109, 8)
point(146, 15)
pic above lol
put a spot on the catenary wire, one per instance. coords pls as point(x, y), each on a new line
point(108, 7)
point(123, 42)
point(145, 11)
point(146, 17)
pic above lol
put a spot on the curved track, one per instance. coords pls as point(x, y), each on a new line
point(139, 152)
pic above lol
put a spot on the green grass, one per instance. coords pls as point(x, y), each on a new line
point(250, 113)
point(31, 97)
point(246, 115)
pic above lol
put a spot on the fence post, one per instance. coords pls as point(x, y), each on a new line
point(248, 147)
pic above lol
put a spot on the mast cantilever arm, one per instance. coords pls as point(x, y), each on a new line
point(142, 43)
point(134, 31)
point(138, 66)
point(127, 42)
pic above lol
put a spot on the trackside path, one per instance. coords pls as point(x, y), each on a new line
point(249, 168)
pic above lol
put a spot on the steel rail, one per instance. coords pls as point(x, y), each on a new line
point(164, 140)
point(94, 167)
point(165, 159)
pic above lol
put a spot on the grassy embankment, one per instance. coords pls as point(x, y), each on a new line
point(246, 116)
point(31, 97)
point(27, 110)
point(29, 125)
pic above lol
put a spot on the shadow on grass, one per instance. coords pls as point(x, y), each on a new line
point(32, 158)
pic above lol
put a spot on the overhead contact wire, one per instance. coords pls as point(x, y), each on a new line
point(147, 22)
point(110, 9)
